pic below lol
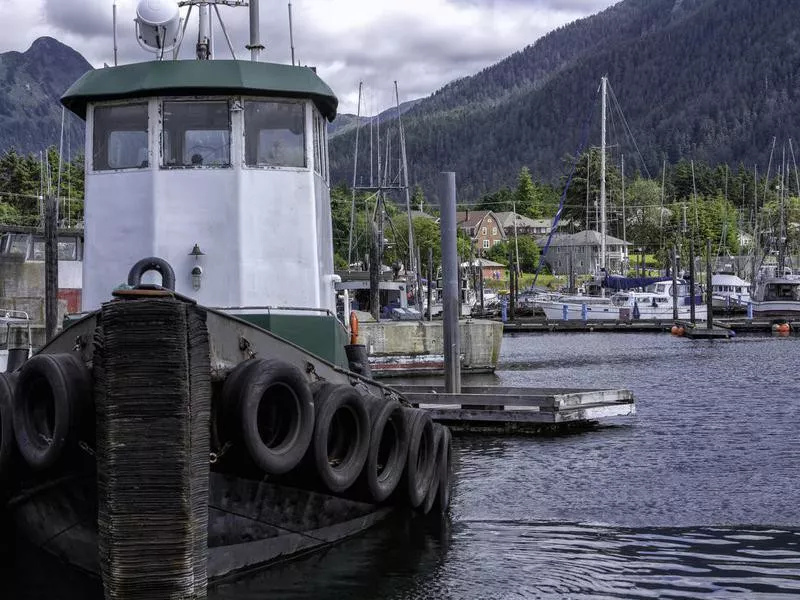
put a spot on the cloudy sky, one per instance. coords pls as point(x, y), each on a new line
point(422, 44)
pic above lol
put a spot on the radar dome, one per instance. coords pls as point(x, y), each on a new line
point(158, 24)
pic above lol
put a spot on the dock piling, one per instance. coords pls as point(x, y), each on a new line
point(451, 300)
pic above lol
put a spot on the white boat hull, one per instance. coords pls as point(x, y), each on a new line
point(554, 311)
point(776, 308)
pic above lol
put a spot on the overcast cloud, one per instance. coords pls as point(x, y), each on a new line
point(422, 44)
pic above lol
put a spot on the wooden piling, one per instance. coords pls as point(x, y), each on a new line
point(51, 267)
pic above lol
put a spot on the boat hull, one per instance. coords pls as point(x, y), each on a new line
point(252, 524)
point(593, 312)
point(224, 511)
point(776, 308)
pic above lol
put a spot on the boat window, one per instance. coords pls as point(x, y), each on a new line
point(274, 134)
point(38, 249)
point(68, 249)
point(19, 244)
point(196, 134)
point(317, 144)
point(119, 139)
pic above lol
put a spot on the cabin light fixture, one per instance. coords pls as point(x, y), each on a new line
point(196, 252)
point(197, 276)
point(197, 270)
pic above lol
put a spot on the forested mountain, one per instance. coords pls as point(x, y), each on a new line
point(347, 122)
point(31, 84)
point(709, 80)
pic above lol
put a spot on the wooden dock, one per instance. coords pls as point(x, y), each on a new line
point(738, 325)
point(495, 409)
point(701, 331)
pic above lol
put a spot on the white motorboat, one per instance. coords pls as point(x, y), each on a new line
point(729, 291)
point(654, 303)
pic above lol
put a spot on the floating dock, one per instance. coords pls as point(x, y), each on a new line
point(736, 325)
point(495, 409)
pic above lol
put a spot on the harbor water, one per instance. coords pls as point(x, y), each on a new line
point(696, 497)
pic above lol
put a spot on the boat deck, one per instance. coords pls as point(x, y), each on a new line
point(495, 409)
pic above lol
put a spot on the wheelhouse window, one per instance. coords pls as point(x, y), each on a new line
point(119, 139)
point(320, 146)
point(196, 134)
point(274, 134)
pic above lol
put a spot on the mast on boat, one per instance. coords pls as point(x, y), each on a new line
point(603, 257)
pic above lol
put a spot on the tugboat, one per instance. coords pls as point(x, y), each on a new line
point(205, 413)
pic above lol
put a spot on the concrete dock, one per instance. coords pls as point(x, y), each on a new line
point(496, 409)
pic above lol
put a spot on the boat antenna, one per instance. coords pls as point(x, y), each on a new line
point(255, 45)
point(353, 191)
point(114, 29)
point(291, 33)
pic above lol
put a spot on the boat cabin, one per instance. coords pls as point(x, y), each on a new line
point(22, 270)
point(218, 167)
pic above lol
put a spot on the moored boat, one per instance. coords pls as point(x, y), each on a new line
point(729, 291)
point(207, 415)
point(776, 293)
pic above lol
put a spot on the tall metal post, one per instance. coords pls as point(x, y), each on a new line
point(450, 272)
point(254, 46)
point(674, 256)
point(50, 267)
point(709, 291)
point(418, 280)
point(431, 283)
point(204, 32)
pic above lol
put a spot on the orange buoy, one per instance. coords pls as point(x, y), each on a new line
point(353, 328)
point(674, 330)
point(681, 331)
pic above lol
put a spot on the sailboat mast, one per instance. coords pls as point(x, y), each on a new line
point(603, 259)
point(782, 226)
point(412, 263)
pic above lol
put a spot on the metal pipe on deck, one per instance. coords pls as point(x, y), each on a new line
point(255, 45)
point(450, 273)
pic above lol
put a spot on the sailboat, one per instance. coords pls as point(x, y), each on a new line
point(655, 302)
point(776, 290)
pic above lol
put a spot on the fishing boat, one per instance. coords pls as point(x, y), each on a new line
point(776, 292)
point(201, 416)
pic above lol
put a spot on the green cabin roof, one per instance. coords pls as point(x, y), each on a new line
point(199, 78)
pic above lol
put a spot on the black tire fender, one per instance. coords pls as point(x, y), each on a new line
point(433, 489)
point(7, 443)
point(271, 403)
point(445, 473)
point(51, 399)
point(420, 465)
point(341, 436)
point(388, 449)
